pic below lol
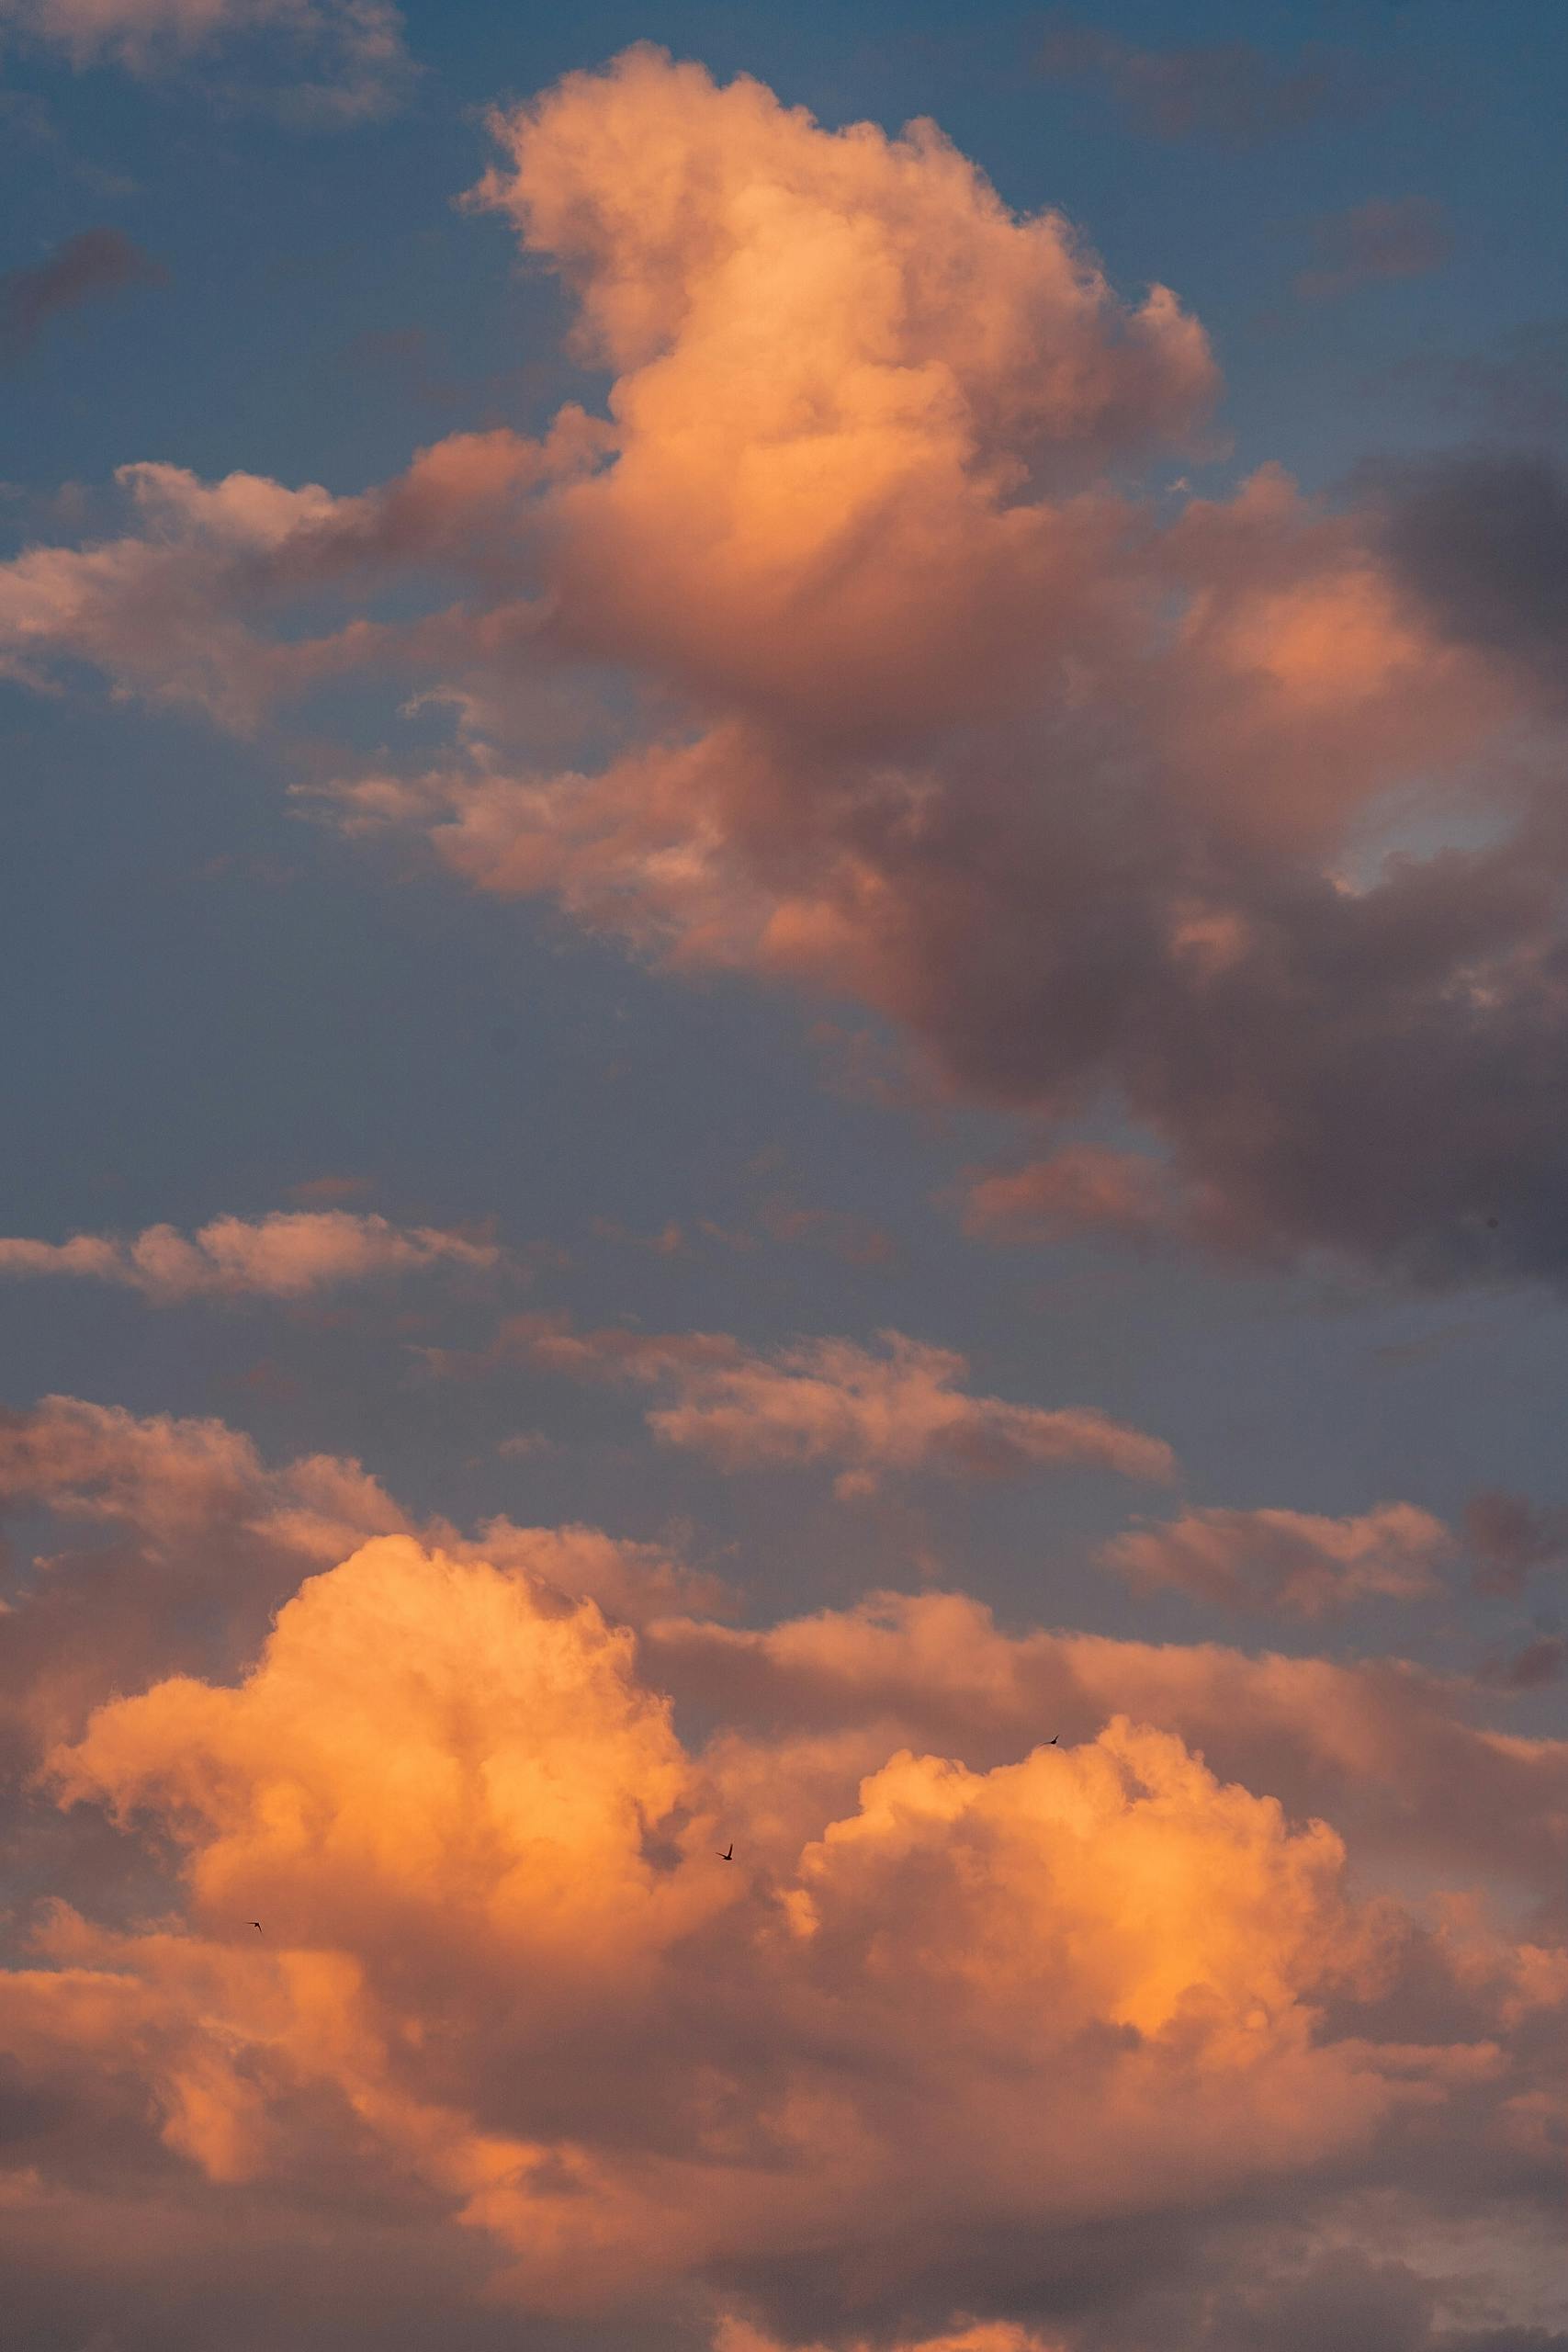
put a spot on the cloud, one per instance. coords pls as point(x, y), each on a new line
point(96, 261)
point(177, 609)
point(918, 704)
point(1081, 1188)
point(1385, 1749)
point(955, 2038)
point(355, 65)
point(1383, 239)
point(1234, 91)
point(192, 1540)
point(1286, 1563)
point(898, 1411)
point(289, 1254)
point(1481, 537)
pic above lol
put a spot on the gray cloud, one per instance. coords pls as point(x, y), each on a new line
point(1480, 536)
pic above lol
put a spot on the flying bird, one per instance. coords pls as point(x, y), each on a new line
point(728, 1853)
point(1055, 1736)
point(257, 1925)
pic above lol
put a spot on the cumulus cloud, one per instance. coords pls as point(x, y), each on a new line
point(290, 1254)
point(954, 2037)
point(1389, 1750)
point(919, 703)
point(352, 64)
point(193, 1540)
point(96, 261)
point(899, 1410)
point(1286, 1563)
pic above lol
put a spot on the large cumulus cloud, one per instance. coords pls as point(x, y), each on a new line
point(503, 1982)
point(973, 2012)
point(923, 702)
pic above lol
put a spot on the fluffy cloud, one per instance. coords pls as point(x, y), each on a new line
point(1392, 1752)
point(1293, 1563)
point(979, 740)
point(943, 2031)
point(918, 703)
point(355, 65)
point(193, 1540)
point(183, 606)
point(289, 1254)
point(830, 1401)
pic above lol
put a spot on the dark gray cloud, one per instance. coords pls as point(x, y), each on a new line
point(1231, 91)
point(1481, 537)
point(93, 262)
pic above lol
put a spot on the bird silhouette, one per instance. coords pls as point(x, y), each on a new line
point(728, 1853)
point(257, 1926)
point(1055, 1736)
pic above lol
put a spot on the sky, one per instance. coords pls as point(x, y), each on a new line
point(783, 886)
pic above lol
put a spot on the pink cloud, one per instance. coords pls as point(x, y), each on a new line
point(289, 1254)
point(1288, 1563)
point(901, 1410)
point(1080, 1188)
point(922, 704)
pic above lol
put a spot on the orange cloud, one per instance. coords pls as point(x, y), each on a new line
point(1297, 1563)
point(195, 1540)
point(289, 1254)
point(501, 1972)
point(1387, 1750)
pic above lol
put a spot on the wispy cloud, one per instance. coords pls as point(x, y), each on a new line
point(290, 1254)
point(900, 1408)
